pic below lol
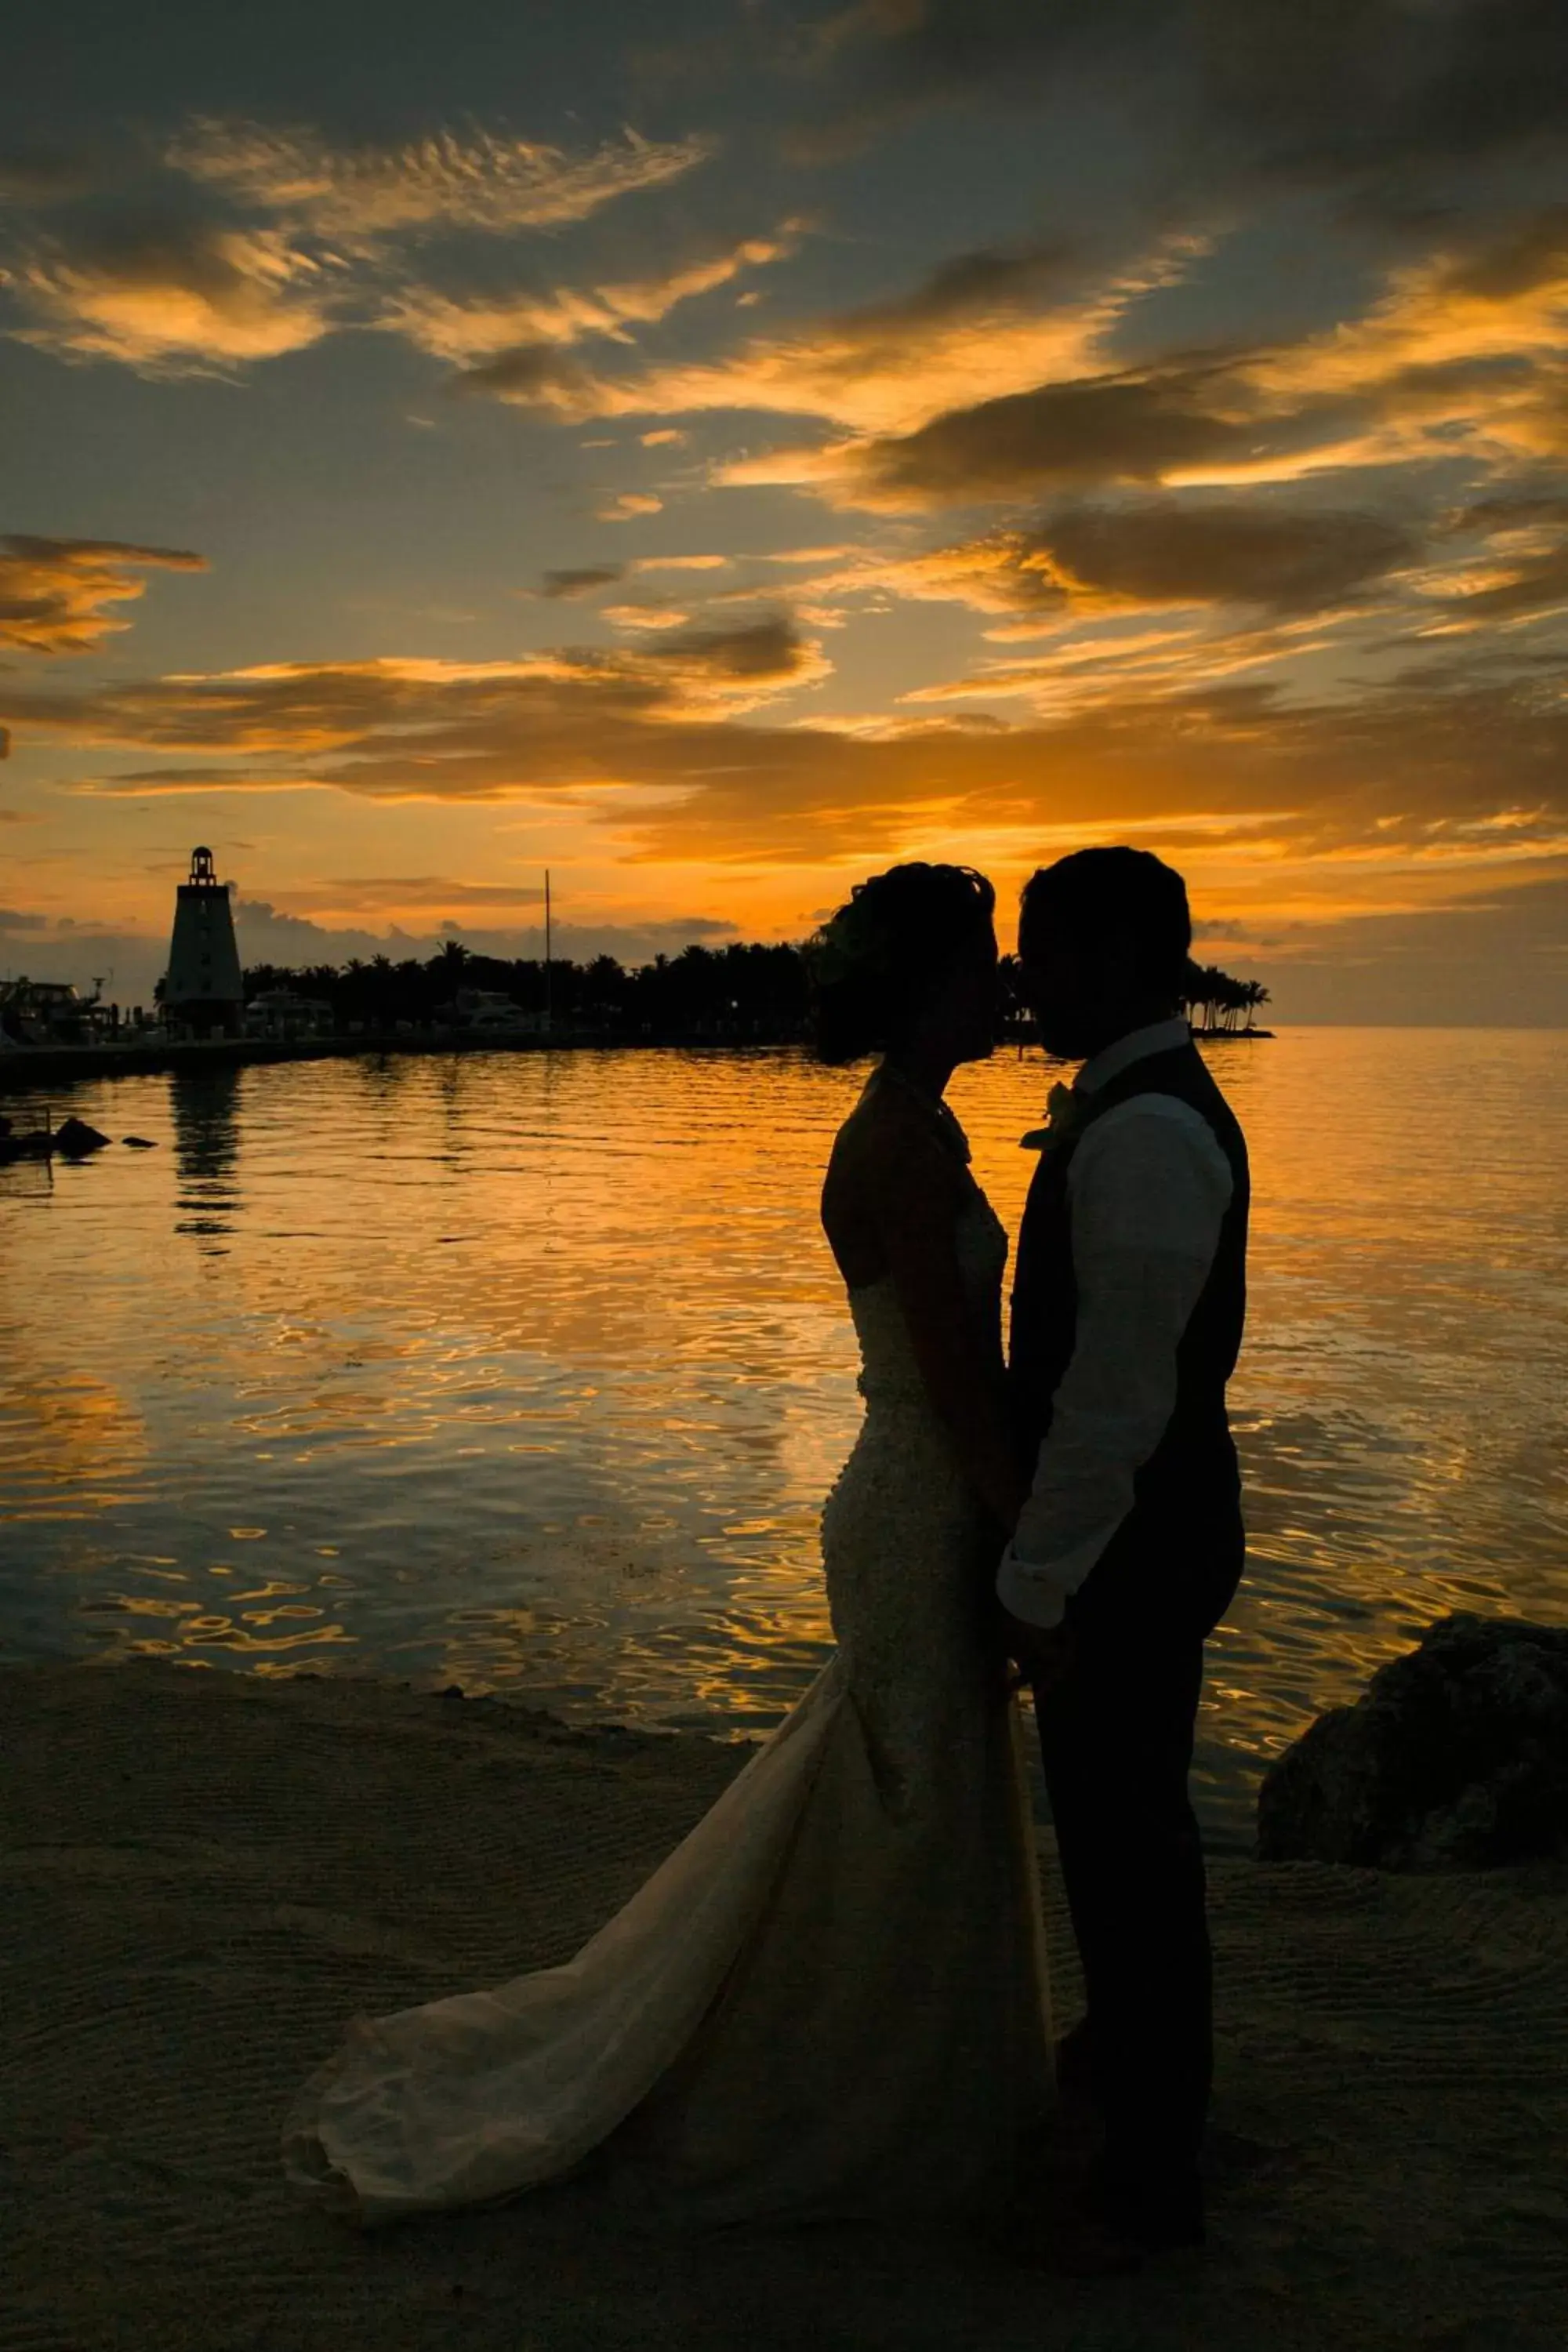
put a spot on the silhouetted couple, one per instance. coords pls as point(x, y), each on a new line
point(831, 1998)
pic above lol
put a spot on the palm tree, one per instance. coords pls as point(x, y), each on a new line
point(1220, 998)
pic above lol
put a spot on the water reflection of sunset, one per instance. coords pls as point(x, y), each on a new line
point(529, 1372)
point(65, 1433)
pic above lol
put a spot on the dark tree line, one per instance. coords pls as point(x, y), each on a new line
point(762, 994)
point(758, 993)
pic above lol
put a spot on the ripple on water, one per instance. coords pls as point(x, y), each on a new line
point(528, 1372)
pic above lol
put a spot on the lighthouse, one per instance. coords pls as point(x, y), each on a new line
point(204, 990)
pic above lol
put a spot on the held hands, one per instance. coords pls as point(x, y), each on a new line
point(1043, 1658)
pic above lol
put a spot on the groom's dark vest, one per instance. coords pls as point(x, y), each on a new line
point(1187, 1494)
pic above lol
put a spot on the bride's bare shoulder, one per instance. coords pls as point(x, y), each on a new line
point(886, 1143)
point(886, 1174)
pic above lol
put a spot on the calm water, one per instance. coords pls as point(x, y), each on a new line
point(528, 1372)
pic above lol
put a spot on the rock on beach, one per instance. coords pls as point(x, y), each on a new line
point(1455, 1758)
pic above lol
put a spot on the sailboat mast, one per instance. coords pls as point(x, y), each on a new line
point(549, 999)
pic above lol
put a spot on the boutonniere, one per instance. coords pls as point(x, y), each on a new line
point(1064, 1116)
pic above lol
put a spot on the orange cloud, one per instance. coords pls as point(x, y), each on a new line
point(466, 330)
point(53, 591)
point(999, 378)
point(1522, 572)
point(647, 617)
point(627, 505)
point(681, 562)
point(176, 301)
point(1143, 554)
point(305, 711)
point(483, 180)
point(419, 894)
point(1099, 667)
point(1413, 788)
point(585, 580)
point(1467, 347)
point(982, 324)
point(1464, 350)
point(1505, 299)
point(192, 295)
point(1151, 425)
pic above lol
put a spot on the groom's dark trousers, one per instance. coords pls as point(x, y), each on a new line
point(1116, 1739)
point(1116, 1734)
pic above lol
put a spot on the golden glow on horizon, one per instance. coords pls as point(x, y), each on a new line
point(1286, 605)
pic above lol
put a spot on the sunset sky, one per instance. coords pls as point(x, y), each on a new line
point(716, 449)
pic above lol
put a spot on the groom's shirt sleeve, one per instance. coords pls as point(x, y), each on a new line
point(1147, 1191)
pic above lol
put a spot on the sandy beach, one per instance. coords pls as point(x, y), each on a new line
point(206, 1874)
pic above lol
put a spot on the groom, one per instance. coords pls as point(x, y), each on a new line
point(1128, 1303)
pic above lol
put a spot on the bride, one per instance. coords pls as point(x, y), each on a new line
point(830, 1999)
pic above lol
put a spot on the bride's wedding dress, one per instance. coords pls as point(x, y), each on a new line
point(830, 1998)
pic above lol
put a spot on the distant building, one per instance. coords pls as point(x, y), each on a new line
point(280, 1012)
point(204, 990)
point(489, 1011)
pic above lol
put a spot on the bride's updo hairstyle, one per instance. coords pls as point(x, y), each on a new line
point(895, 939)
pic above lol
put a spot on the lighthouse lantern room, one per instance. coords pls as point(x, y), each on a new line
point(204, 991)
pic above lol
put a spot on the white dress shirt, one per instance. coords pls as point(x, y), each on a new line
point(1148, 1188)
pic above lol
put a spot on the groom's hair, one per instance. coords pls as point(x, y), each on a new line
point(1099, 890)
